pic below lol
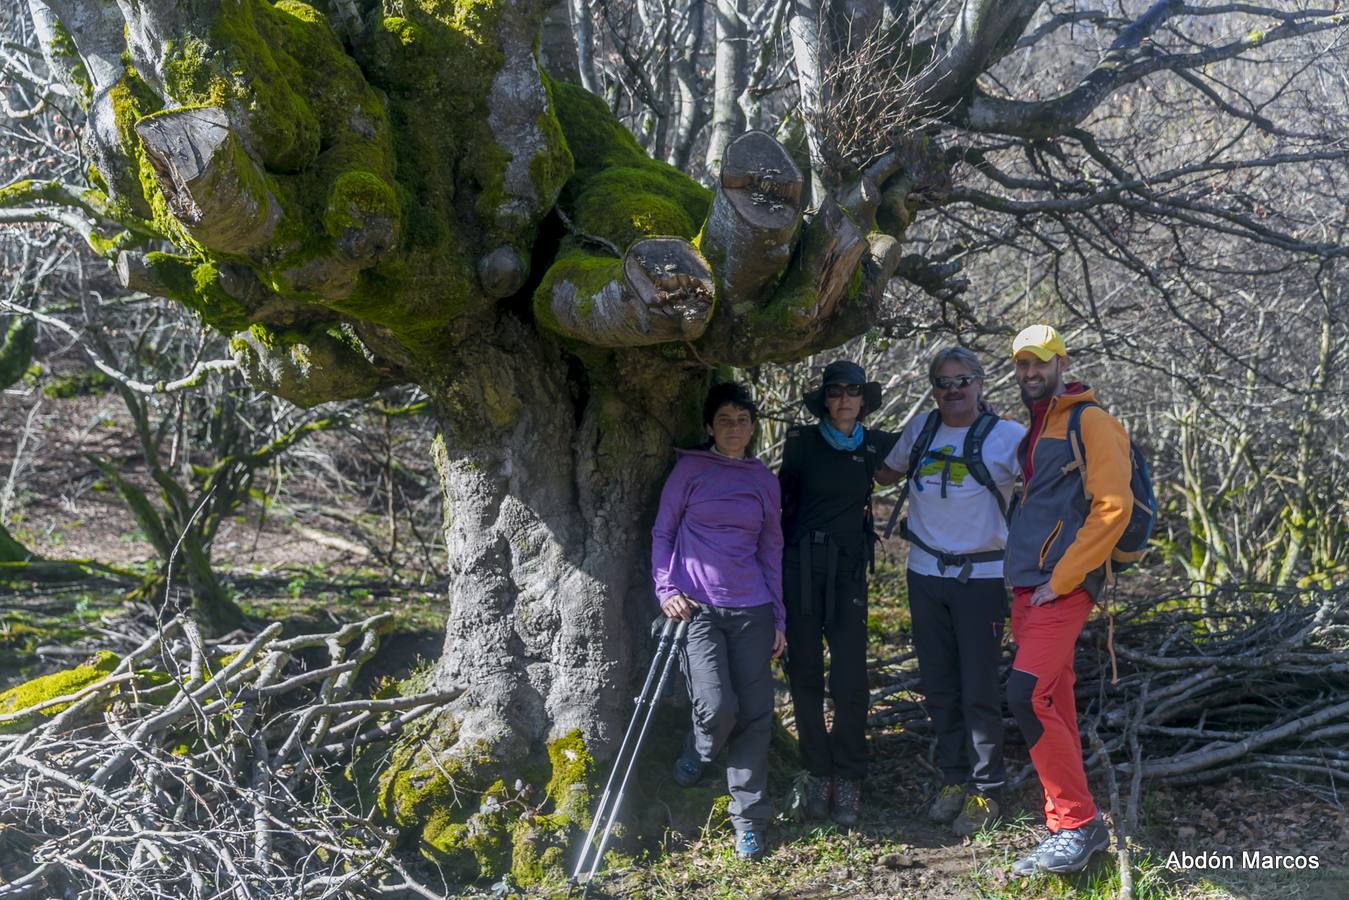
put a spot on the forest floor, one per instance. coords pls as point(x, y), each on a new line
point(313, 560)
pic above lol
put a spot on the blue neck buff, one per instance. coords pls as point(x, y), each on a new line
point(837, 439)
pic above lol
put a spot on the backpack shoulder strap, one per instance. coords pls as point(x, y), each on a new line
point(921, 444)
point(872, 454)
point(791, 444)
point(1075, 445)
point(973, 454)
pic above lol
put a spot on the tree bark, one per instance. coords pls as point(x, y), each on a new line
point(690, 114)
point(549, 486)
point(219, 194)
point(728, 119)
point(809, 54)
point(583, 27)
point(756, 215)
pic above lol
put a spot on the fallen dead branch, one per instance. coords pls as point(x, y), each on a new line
point(1243, 679)
point(198, 768)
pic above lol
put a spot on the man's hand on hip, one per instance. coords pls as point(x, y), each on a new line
point(1043, 594)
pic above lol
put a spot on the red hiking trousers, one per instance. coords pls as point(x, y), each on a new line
point(1040, 695)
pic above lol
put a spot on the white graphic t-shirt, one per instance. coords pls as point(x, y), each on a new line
point(967, 519)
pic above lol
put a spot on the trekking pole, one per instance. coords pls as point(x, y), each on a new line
point(667, 648)
point(666, 645)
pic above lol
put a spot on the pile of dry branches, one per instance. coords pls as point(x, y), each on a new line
point(199, 768)
point(1238, 680)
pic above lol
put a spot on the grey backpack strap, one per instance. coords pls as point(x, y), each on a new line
point(920, 447)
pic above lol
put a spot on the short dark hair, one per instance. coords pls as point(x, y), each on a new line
point(728, 392)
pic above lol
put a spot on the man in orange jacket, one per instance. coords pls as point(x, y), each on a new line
point(1061, 535)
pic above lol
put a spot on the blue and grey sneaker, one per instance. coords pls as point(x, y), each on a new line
point(1073, 848)
point(1029, 864)
point(687, 771)
point(749, 844)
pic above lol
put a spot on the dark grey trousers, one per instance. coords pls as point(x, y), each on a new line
point(727, 665)
point(957, 633)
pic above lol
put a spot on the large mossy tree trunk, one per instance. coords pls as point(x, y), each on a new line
point(395, 193)
point(550, 476)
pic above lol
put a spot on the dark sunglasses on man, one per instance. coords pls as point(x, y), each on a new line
point(835, 391)
point(944, 383)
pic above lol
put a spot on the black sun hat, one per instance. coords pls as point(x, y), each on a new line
point(844, 372)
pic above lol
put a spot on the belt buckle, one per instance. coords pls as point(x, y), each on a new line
point(819, 537)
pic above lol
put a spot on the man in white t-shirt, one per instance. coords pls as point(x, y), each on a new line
point(957, 530)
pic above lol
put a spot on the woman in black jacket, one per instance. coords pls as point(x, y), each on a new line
point(826, 477)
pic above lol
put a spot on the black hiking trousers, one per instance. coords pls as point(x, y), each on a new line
point(841, 750)
point(957, 634)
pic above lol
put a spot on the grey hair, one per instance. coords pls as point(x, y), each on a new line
point(966, 358)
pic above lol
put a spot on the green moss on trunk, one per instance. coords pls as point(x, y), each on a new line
point(618, 192)
point(483, 820)
point(16, 349)
point(62, 50)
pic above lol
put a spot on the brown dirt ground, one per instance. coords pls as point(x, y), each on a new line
point(63, 510)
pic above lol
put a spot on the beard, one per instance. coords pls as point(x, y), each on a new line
point(1050, 387)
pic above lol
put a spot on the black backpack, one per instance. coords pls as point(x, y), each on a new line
point(1134, 540)
point(971, 456)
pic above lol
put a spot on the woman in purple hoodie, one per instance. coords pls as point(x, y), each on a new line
point(716, 559)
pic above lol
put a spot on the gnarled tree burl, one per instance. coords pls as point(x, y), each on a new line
point(364, 194)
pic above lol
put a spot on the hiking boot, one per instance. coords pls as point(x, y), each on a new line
point(818, 794)
point(749, 845)
point(687, 771)
point(947, 805)
point(1073, 848)
point(1029, 864)
point(979, 810)
point(847, 801)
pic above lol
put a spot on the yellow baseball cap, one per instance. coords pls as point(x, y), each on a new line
point(1042, 340)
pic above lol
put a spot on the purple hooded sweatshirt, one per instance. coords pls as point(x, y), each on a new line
point(718, 534)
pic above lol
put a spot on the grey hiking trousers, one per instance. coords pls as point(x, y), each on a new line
point(957, 632)
point(727, 654)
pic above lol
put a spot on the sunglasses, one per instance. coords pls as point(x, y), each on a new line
point(943, 382)
point(835, 391)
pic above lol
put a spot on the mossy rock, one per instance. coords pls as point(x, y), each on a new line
point(539, 850)
point(573, 776)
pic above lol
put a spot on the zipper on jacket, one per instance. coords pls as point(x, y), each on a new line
point(1049, 542)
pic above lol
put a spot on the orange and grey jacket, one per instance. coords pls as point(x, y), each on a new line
point(1060, 532)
